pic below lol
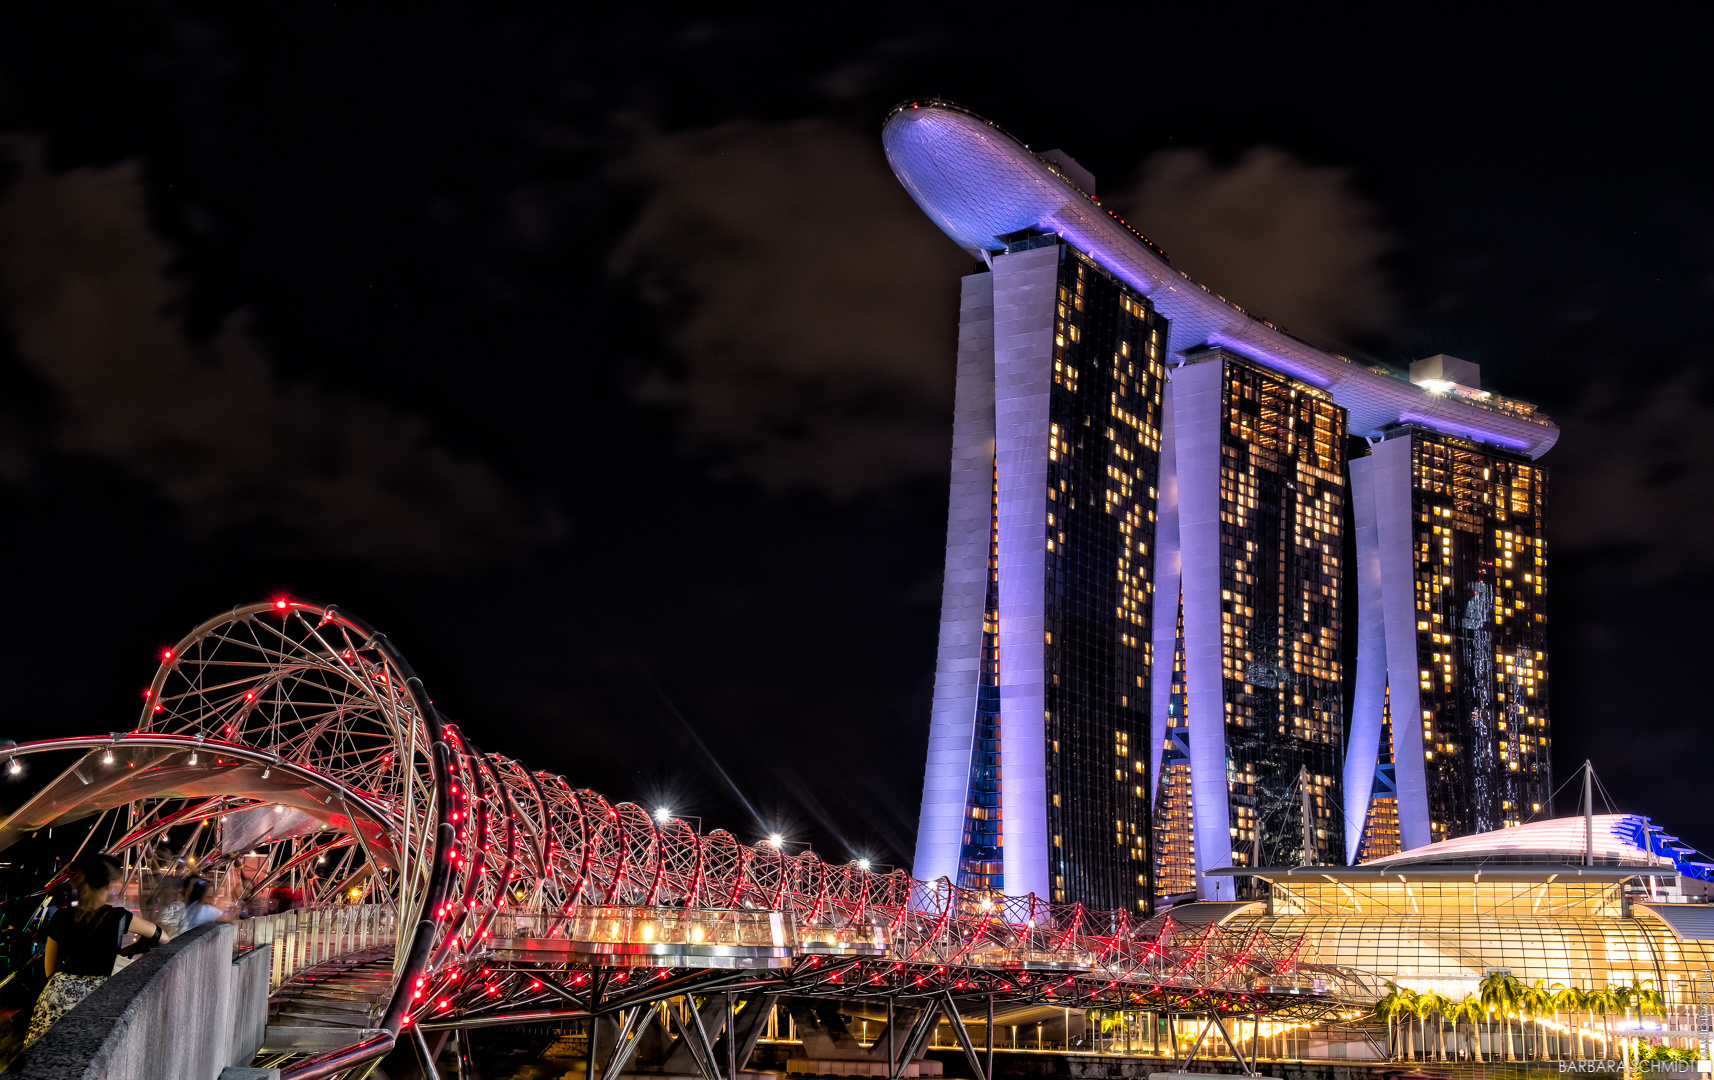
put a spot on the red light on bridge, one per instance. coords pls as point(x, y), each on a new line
point(281, 605)
point(166, 654)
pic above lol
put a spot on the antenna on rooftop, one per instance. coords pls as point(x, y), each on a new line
point(1588, 813)
point(1310, 855)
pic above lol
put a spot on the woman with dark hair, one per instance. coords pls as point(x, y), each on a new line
point(83, 941)
point(197, 909)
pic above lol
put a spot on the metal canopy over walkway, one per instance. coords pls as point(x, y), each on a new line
point(456, 888)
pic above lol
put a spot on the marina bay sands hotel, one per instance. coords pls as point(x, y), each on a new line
point(1160, 505)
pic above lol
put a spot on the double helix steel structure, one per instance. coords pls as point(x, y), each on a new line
point(290, 744)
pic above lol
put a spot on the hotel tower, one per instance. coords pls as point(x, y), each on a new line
point(1142, 660)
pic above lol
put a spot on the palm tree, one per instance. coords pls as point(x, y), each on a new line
point(1603, 1002)
point(1565, 999)
point(1388, 1008)
point(1407, 1009)
point(1435, 1004)
point(1537, 1001)
point(1585, 1019)
point(1642, 995)
point(1471, 1009)
point(1647, 998)
point(1499, 993)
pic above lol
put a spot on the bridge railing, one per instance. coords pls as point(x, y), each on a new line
point(304, 937)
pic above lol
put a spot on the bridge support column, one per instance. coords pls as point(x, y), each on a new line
point(428, 1056)
point(989, 1071)
point(963, 1036)
point(1237, 1053)
point(749, 1025)
point(892, 1053)
point(731, 1039)
point(1195, 1047)
point(626, 1044)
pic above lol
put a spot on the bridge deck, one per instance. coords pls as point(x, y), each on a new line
point(331, 1004)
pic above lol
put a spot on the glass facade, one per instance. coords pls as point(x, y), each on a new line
point(979, 859)
point(1103, 465)
point(1481, 566)
point(1175, 834)
point(1381, 824)
point(1441, 935)
point(1282, 513)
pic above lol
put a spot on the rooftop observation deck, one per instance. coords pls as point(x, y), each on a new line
point(989, 191)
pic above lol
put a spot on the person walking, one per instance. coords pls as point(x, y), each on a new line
point(197, 910)
point(83, 941)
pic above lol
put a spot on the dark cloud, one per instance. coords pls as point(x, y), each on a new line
point(813, 308)
point(1633, 476)
point(95, 314)
point(1290, 241)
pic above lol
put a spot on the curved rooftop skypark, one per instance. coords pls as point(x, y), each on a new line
point(991, 193)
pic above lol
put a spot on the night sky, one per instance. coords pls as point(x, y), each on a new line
point(603, 364)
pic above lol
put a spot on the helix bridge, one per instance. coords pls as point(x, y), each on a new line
point(290, 745)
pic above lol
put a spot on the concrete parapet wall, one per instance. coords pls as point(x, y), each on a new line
point(182, 1012)
point(249, 982)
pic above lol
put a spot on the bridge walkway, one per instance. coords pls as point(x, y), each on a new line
point(332, 1004)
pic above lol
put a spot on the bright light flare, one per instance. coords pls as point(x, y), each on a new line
point(776, 839)
point(663, 814)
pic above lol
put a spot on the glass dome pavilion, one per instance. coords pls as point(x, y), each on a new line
point(1545, 901)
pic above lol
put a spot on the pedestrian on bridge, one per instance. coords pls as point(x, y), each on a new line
point(83, 941)
point(197, 910)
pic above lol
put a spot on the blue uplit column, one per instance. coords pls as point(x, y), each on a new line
point(1197, 419)
point(1024, 285)
point(1394, 486)
point(957, 667)
point(1163, 615)
point(1362, 749)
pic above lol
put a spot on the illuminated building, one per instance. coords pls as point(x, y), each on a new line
point(1452, 628)
point(1241, 668)
point(1249, 695)
point(1037, 779)
point(1545, 901)
point(1378, 828)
